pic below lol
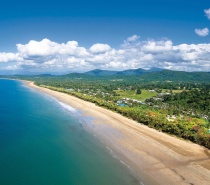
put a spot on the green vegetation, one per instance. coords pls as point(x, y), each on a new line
point(138, 91)
point(145, 94)
point(177, 103)
point(194, 102)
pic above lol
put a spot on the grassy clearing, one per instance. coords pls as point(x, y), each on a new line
point(173, 91)
point(177, 91)
point(145, 94)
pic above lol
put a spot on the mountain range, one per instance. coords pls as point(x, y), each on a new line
point(139, 71)
point(149, 75)
point(153, 74)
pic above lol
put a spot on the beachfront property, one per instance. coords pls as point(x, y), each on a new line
point(128, 102)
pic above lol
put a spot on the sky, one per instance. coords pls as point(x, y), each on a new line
point(65, 36)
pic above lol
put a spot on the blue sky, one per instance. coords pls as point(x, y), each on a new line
point(105, 22)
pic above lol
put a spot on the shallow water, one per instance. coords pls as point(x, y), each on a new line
point(42, 142)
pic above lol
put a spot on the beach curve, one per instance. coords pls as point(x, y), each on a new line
point(152, 156)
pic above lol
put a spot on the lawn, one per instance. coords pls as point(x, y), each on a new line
point(145, 94)
point(174, 91)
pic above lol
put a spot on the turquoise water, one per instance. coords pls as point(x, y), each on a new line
point(42, 143)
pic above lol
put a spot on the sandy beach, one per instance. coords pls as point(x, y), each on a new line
point(152, 156)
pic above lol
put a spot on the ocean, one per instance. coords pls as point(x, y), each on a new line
point(45, 142)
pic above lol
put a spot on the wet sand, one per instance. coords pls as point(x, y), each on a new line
point(152, 156)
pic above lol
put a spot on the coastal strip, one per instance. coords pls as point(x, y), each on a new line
point(152, 156)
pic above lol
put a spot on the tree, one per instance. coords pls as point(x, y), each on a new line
point(138, 91)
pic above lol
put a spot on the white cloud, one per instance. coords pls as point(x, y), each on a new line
point(48, 56)
point(9, 57)
point(99, 48)
point(202, 32)
point(36, 48)
point(49, 48)
point(207, 12)
point(11, 67)
point(133, 38)
point(158, 46)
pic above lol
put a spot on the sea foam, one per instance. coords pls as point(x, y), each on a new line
point(68, 107)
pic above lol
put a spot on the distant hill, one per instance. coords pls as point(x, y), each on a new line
point(153, 74)
point(134, 75)
point(99, 72)
point(132, 72)
point(154, 69)
point(139, 71)
point(177, 76)
point(46, 75)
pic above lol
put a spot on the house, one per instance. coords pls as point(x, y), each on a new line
point(119, 101)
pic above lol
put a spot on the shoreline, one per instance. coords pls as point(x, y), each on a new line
point(152, 156)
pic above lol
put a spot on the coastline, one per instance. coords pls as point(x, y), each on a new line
point(152, 156)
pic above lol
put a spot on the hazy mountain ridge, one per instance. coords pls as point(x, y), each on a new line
point(138, 71)
point(153, 74)
point(140, 75)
